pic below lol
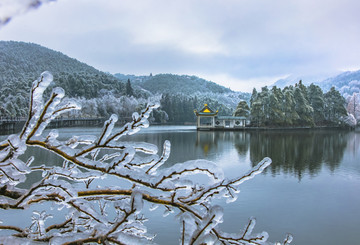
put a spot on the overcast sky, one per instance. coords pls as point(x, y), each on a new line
point(240, 44)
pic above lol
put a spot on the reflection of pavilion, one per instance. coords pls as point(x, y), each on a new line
point(207, 119)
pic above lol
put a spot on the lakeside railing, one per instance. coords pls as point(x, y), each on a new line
point(14, 124)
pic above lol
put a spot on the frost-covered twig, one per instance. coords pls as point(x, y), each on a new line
point(138, 170)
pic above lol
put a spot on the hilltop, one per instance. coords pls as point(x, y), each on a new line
point(347, 83)
point(21, 63)
point(23, 58)
point(170, 83)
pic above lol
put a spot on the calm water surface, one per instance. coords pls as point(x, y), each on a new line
point(311, 190)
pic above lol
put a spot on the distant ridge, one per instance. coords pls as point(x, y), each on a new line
point(347, 82)
point(171, 83)
point(306, 80)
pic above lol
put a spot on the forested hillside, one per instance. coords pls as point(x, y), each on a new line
point(169, 83)
point(19, 59)
point(101, 94)
point(21, 63)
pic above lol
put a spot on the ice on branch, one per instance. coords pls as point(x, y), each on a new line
point(289, 238)
point(104, 183)
point(12, 170)
point(40, 113)
point(164, 157)
point(137, 201)
point(10, 9)
point(37, 227)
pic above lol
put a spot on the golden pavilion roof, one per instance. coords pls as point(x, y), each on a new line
point(206, 111)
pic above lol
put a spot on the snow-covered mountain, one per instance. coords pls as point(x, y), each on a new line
point(346, 82)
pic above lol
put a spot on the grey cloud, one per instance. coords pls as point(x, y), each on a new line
point(246, 40)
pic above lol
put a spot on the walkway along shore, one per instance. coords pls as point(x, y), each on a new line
point(14, 125)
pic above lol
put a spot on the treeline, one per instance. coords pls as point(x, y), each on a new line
point(179, 108)
point(297, 106)
point(14, 96)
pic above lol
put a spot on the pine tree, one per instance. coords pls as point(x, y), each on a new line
point(303, 107)
point(129, 90)
point(316, 99)
point(264, 97)
point(334, 106)
point(276, 113)
point(242, 109)
point(257, 113)
point(253, 96)
point(290, 114)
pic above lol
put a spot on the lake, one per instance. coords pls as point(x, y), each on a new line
point(311, 190)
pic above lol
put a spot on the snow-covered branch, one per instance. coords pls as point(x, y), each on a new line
point(88, 161)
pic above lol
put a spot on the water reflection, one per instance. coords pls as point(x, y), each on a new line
point(292, 152)
point(218, 141)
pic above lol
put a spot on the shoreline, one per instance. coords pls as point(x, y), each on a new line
point(68, 123)
point(278, 128)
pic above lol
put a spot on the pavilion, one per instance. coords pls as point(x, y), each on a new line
point(208, 119)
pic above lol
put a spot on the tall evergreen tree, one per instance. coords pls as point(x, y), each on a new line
point(257, 113)
point(264, 97)
point(253, 96)
point(303, 108)
point(242, 109)
point(334, 106)
point(290, 114)
point(276, 113)
point(316, 99)
point(129, 90)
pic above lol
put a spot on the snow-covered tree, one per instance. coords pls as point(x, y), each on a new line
point(129, 90)
point(242, 109)
point(96, 212)
point(353, 106)
point(316, 99)
point(350, 120)
point(334, 106)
